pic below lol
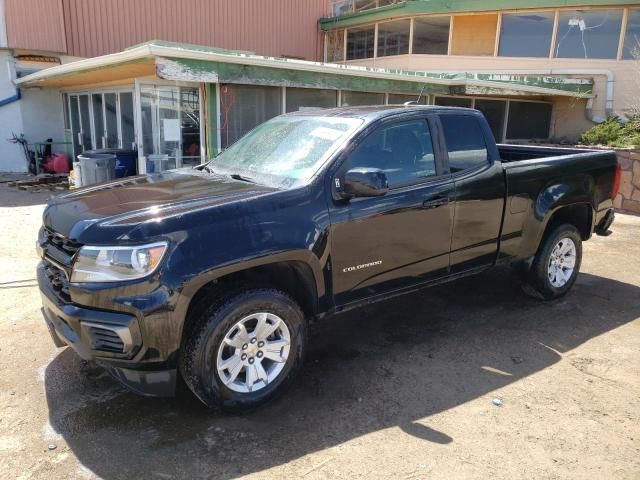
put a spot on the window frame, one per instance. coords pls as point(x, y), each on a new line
point(340, 166)
point(491, 159)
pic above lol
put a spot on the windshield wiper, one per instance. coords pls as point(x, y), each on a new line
point(237, 176)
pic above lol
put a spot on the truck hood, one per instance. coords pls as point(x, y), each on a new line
point(135, 200)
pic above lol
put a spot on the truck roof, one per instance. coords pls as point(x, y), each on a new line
point(374, 112)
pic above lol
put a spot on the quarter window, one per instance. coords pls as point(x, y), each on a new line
point(465, 142)
point(403, 151)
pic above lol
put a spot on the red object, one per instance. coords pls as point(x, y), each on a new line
point(56, 163)
point(616, 182)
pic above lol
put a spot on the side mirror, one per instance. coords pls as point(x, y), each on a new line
point(365, 182)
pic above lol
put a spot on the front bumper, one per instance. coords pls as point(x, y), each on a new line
point(112, 339)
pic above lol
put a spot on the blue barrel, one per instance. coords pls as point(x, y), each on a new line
point(126, 160)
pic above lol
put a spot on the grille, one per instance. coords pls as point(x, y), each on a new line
point(60, 242)
point(105, 340)
point(58, 281)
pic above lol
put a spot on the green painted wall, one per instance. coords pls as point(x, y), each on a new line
point(423, 7)
point(211, 119)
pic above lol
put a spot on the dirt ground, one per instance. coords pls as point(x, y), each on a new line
point(402, 389)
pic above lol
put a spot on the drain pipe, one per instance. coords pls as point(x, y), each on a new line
point(14, 98)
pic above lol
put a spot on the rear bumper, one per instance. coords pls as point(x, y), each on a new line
point(112, 339)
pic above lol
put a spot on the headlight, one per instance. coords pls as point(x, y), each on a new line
point(114, 264)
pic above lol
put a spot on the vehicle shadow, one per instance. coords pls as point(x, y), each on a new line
point(392, 364)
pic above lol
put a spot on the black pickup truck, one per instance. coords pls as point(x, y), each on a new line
point(214, 272)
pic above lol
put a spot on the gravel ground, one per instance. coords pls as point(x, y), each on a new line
point(404, 389)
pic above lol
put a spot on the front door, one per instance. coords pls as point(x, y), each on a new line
point(387, 243)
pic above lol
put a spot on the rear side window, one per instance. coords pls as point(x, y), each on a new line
point(465, 142)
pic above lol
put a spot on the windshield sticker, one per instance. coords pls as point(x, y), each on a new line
point(326, 133)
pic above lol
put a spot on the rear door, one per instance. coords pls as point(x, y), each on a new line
point(479, 190)
point(401, 239)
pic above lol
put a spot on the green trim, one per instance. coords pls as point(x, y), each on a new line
point(211, 119)
point(425, 7)
point(221, 72)
point(278, 77)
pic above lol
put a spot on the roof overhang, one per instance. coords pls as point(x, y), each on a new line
point(209, 65)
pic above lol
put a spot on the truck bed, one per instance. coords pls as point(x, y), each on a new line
point(513, 153)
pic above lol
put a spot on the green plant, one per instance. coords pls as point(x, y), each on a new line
point(614, 133)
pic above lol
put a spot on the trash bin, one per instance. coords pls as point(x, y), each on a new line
point(126, 160)
point(97, 167)
point(157, 163)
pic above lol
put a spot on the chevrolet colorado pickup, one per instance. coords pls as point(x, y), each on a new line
point(214, 272)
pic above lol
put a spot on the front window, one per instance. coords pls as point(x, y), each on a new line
point(286, 151)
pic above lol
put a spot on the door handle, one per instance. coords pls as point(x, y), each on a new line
point(435, 202)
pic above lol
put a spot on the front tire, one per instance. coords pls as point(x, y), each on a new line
point(556, 265)
point(246, 351)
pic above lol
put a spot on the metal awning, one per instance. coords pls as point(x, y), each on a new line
point(183, 62)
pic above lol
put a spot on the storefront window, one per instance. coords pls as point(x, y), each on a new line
point(360, 42)
point(245, 107)
point(431, 35)
point(170, 119)
point(453, 102)
point(588, 34)
point(526, 35)
point(632, 36)
point(308, 98)
point(393, 38)
point(352, 99)
point(528, 120)
point(493, 111)
point(401, 98)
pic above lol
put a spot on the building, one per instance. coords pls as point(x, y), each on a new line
point(36, 34)
point(543, 39)
point(197, 90)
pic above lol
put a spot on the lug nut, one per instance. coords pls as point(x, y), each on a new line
point(260, 344)
point(243, 357)
point(253, 340)
point(245, 346)
point(260, 354)
point(251, 360)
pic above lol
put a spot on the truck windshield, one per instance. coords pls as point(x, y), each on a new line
point(285, 151)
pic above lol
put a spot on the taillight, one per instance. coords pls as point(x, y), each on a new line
point(616, 182)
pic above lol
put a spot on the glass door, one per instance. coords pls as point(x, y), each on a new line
point(111, 137)
point(80, 121)
point(170, 126)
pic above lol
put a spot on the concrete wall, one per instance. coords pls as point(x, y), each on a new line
point(11, 156)
point(42, 115)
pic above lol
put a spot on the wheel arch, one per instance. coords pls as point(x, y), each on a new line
point(294, 275)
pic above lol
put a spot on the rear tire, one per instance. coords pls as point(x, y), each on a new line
point(556, 265)
point(243, 353)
